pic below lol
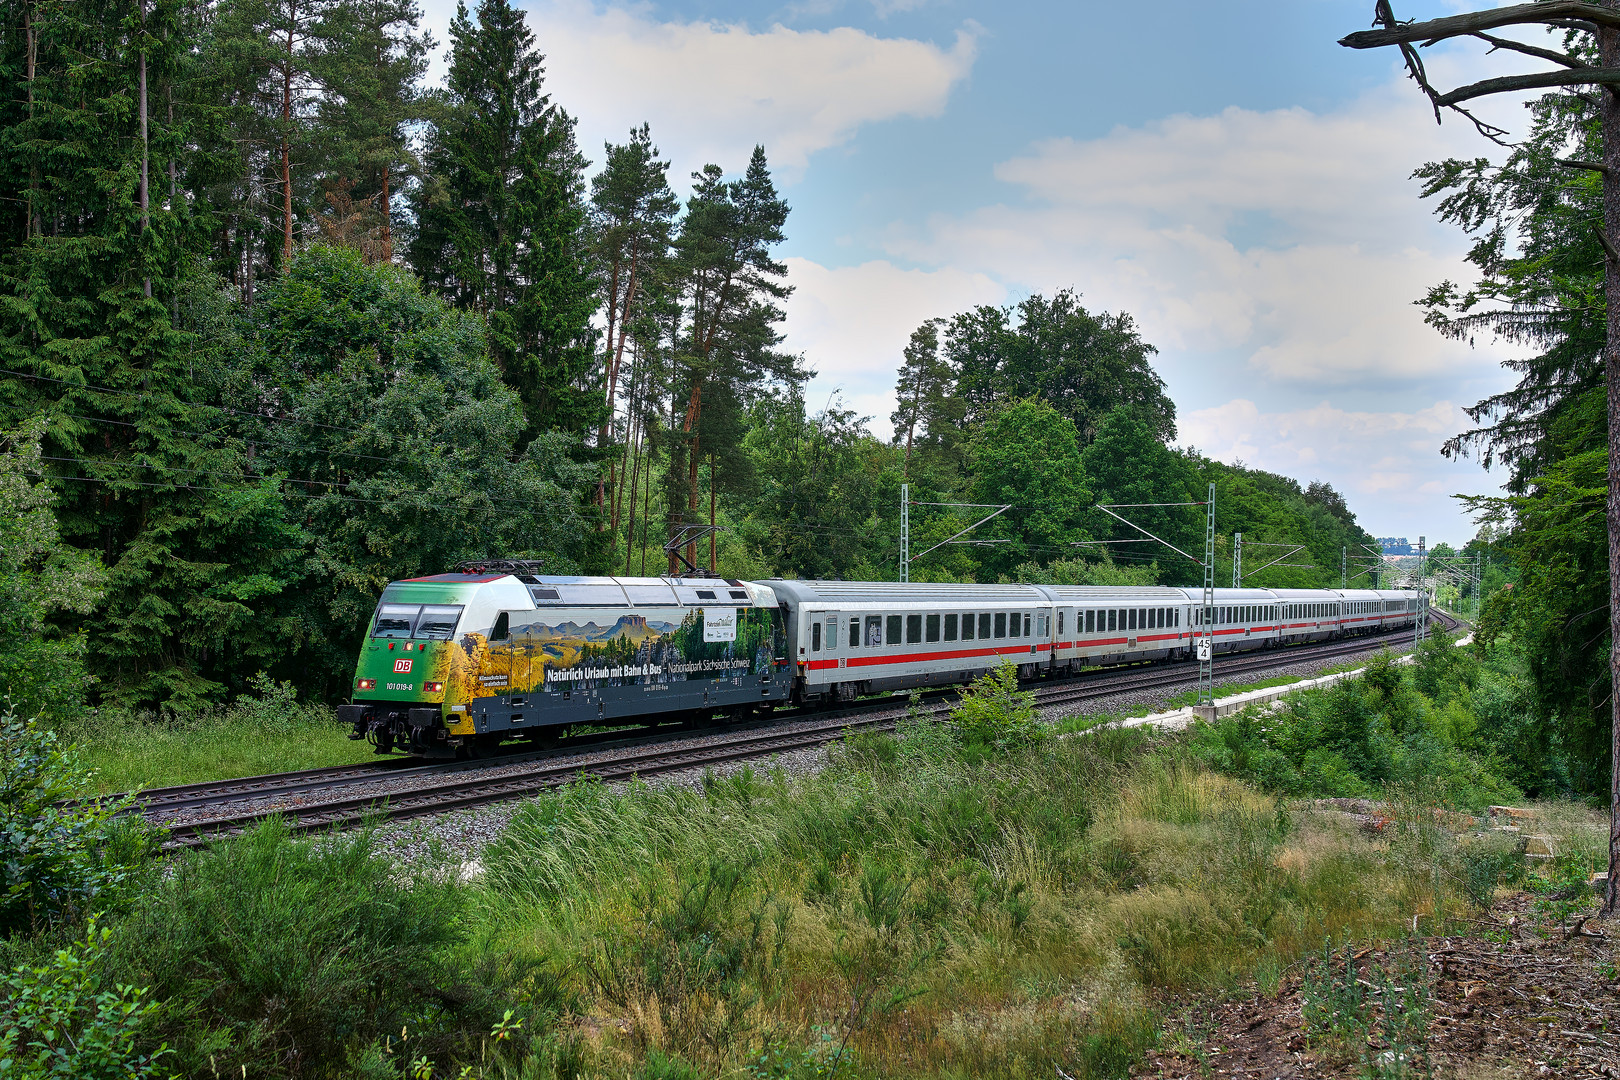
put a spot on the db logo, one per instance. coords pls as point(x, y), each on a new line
point(402, 665)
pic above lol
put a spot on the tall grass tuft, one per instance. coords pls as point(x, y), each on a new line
point(291, 957)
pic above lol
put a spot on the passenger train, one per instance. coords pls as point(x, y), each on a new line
point(455, 663)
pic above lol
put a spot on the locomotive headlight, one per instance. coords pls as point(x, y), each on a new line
point(433, 687)
point(366, 684)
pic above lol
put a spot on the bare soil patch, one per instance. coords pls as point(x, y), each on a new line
point(1513, 996)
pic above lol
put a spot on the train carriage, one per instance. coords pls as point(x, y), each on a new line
point(1399, 609)
point(858, 637)
point(1243, 619)
point(1309, 614)
point(1097, 624)
point(1362, 611)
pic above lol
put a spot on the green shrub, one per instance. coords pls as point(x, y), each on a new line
point(62, 1019)
point(57, 858)
point(996, 714)
point(280, 956)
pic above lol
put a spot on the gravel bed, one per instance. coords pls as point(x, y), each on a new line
point(1155, 699)
point(397, 785)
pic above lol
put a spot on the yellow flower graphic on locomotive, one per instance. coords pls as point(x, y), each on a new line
point(615, 648)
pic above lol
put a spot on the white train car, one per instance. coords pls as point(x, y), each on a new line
point(849, 638)
point(1244, 619)
point(1309, 614)
point(1363, 609)
point(1399, 609)
point(1111, 625)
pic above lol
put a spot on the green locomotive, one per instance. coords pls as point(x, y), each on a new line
point(457, 662)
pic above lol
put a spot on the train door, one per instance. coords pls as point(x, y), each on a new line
point(819, 642)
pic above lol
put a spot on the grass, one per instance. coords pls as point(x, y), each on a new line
point(955, 900)
point(913, 911)
point(269, 733)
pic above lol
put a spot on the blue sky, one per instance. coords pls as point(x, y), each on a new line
point(1226, 173)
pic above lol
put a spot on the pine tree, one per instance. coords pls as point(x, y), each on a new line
point(928, 415)
point(373, 68)
point(633, 211)
point(732, 291)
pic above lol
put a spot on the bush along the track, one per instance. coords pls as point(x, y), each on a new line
point(926, 908)
point(1430, 721)
point(293, 958)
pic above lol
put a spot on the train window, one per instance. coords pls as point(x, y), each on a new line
point(933, 628)
point(967, 626)
point(1091, 621)
point(894, 630)
point(984, 624)
point(1040, 627)
point(1113, 619)
point(855, 632)
point(1060, 624)
point(913, 629)
point(1026, 624)
point(950, 628)
point(1176, 620)
point(874, 631)
point(1001, 624)
point(503, 628)
point(438, 622)
point(706, 594)
point(395, 620)
point(815, 637)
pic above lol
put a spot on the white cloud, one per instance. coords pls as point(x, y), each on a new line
point(853, 322)
point(1295, 239)
point(713, 90)
point(1386, 463)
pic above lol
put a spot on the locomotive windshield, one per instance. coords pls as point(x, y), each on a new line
point(395, 620)
point(438, 621)
point(416, 620)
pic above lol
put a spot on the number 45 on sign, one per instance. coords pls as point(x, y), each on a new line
point(1204, 649)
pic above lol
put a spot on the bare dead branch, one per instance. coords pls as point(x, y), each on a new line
point(1608, 247)
point(1538, 80)
point(1531, 50)
point(1473, 22)
point(1593, 166)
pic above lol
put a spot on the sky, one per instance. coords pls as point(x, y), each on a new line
point(1227, 174)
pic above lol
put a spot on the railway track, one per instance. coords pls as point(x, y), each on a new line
point(313, 799)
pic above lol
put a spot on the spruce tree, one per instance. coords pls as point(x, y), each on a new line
point(501, 223)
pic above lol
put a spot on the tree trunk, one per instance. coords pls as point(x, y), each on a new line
point(286, 150)
point(694, 409)
point(387, 223)
point(711, 511)
point(1609, 49)
point(146, 192)
point(30, 51)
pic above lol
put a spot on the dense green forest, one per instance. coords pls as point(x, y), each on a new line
point(280, 323)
